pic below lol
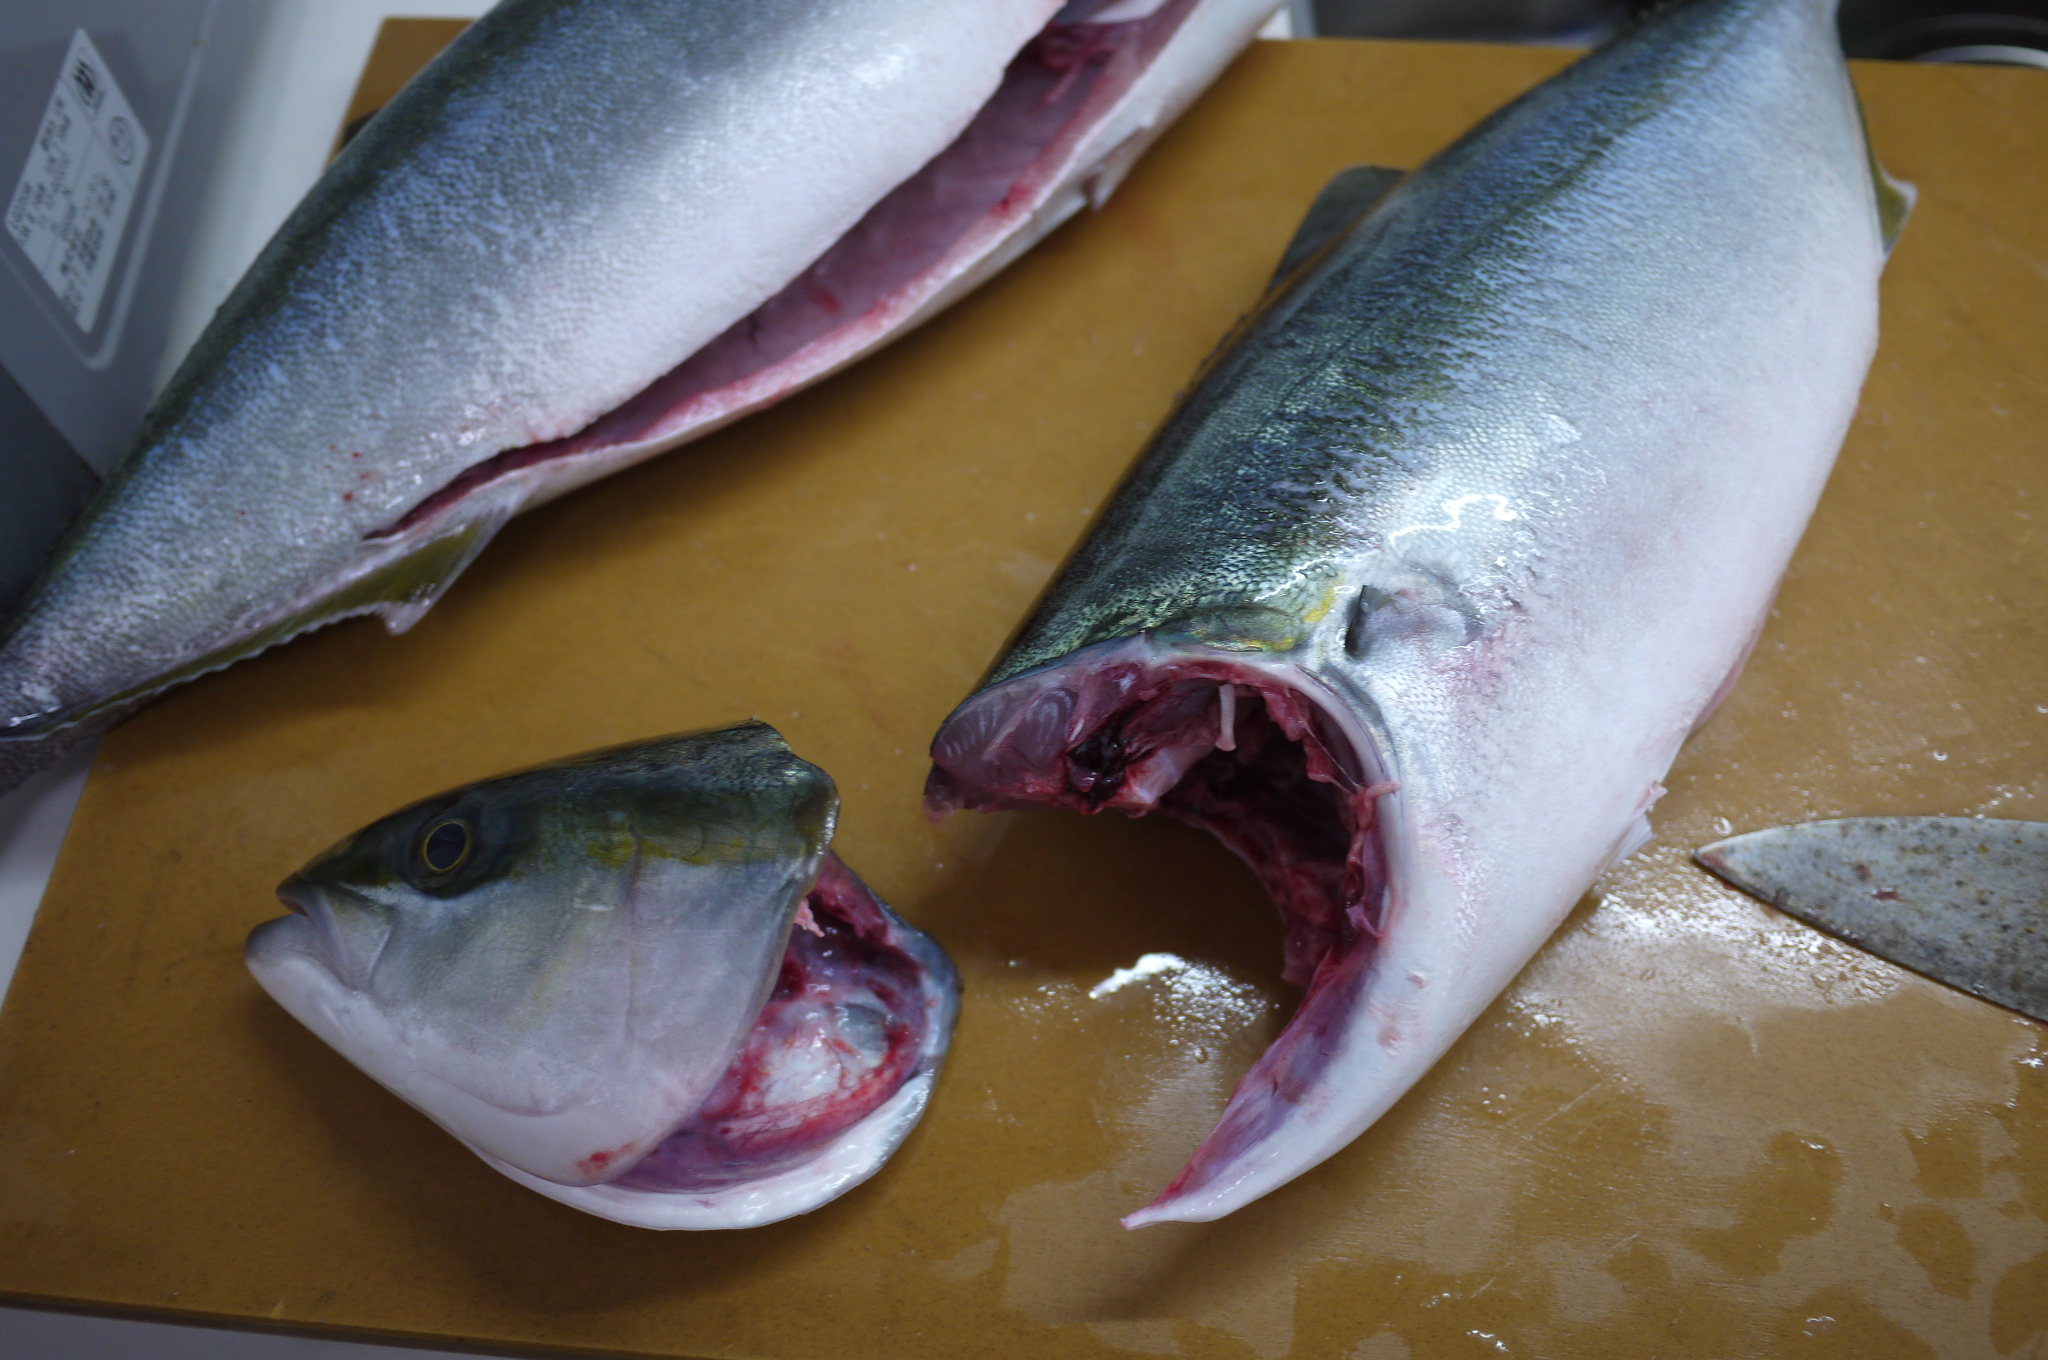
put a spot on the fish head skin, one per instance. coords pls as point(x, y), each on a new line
point(558, 965)
point(828, 1083)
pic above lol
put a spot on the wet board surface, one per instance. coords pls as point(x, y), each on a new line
point(1692, 1128)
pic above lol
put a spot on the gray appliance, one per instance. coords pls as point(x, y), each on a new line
point(110, 113)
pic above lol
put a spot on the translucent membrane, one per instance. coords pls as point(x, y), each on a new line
point(840, 1034)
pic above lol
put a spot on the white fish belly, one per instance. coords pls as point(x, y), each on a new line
point(1643, 417)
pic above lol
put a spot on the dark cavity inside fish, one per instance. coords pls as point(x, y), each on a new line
point(638, 981)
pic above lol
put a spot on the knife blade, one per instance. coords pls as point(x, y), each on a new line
point(1962, 900)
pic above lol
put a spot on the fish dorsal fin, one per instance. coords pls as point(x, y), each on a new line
point(1346, 198)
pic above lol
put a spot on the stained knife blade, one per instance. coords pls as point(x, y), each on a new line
point(1962, 900)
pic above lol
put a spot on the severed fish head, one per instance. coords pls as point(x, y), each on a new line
point(636, 981)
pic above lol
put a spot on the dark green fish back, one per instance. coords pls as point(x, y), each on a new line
point(1234, 526)
point(735, 795)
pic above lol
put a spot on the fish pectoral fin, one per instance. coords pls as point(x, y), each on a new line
point(404, 589)
point(1349, 195)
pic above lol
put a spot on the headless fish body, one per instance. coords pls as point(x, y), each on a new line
point(591, 231)
point(1414, 598)
point(637, 982)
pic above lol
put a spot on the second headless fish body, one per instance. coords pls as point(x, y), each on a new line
point(1414, 598)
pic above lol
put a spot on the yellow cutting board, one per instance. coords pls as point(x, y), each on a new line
point(1692, 1128)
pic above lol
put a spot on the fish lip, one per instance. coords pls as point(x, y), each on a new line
point(311, 902)
point(299, 896)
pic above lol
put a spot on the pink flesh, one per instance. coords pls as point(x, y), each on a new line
point(840, 1034)
point(988, 182)
point(1290, 799)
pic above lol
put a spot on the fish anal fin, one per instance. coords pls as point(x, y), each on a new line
point(404, 590)
point(1350, 195)
point(1895, 199)
point(400, 584)
point(1109, 172)
point(1638, 834)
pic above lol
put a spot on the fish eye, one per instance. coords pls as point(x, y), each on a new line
point(446, 845)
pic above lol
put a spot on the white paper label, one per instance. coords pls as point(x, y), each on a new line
point(71, 205)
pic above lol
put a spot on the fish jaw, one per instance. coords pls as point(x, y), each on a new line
point(519, 1082)
point(851, 1158)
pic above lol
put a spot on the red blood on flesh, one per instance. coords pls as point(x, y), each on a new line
point(840, 1034)
point(1286, 793)
point(898, 255)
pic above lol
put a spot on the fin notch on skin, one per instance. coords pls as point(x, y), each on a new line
point(1350, 195)
point(1895, 200)
point(399, 589)
point(404, 591)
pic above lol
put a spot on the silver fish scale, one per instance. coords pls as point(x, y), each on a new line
point(435, 179)
point(1963, 900)
point(1445, 351)
point(529, 234)
point(1502, 485)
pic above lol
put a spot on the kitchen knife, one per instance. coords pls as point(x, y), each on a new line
point(1963, 900)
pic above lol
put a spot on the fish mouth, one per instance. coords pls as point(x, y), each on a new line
point(847, 1024)
point(1243, 750)
point(298, 897)
point(326, 932)
point(831, 1078)
point(1032, 152)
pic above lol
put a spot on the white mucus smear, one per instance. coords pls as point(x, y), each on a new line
point(1123, 11)
point(1226, 723)
point(1148, 965)
point(70, 206)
